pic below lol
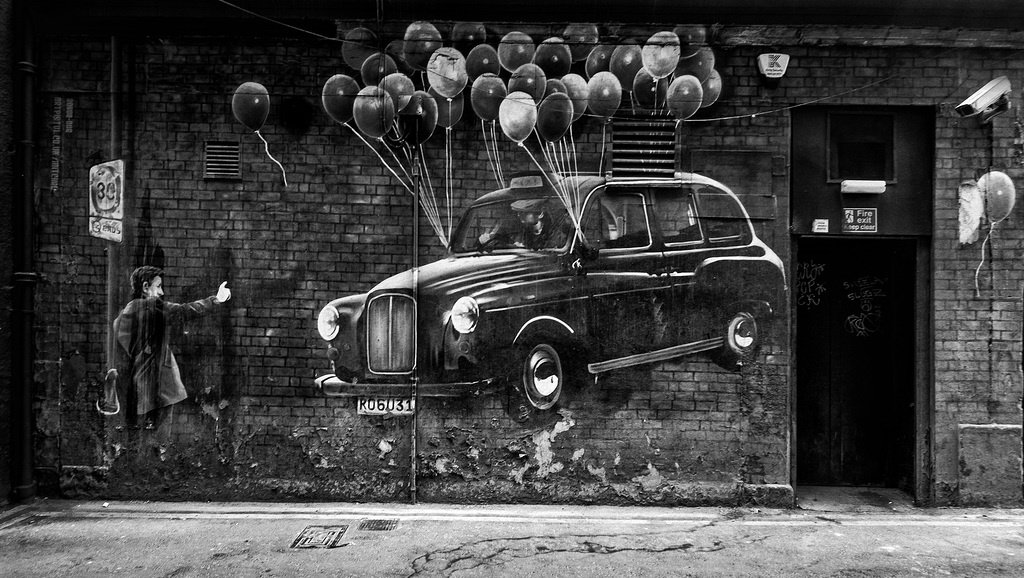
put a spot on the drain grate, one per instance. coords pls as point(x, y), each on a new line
point(320, 537)
point(378, 525)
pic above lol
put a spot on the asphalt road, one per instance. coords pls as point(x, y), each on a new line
point(66, 538)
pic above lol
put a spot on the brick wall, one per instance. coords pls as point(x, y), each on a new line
point(254, 425)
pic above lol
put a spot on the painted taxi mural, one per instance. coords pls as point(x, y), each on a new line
point(533, 301)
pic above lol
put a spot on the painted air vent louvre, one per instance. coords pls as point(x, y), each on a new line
point(222, 160)
point(644, 145)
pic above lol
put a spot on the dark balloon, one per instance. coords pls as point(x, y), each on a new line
point(481, 60)
point(419, 118)
point(515, 50)
point(599, 59)
point(376, 67)
point(700, 64)
point(648, 91)
point(553, 57)
point(449, 110)
point(625, 63)
point(581, 40)
point(712, 89)
point(528, 78)
point(468, 35)
point(339, 96)
point(486, 96)
point(359, 44)
point(684, 96)
point(374, 111)
point(421, 40)
point(578, 91)
point(251, 105)
point(604, 94)
point(554, 115)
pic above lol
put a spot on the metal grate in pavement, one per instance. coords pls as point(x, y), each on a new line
point(378, 525)
point(320, 537)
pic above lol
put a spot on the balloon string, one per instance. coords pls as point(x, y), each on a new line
point(977, 272)
point(497, 155)
point(429, 202)
point(266, 148)
point(388, 167)
point(449, 188)
point(547, 176)
point(604, 147)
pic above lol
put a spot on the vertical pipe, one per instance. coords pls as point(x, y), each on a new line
point(23, 263)
point(115, 153)
point(415, 295)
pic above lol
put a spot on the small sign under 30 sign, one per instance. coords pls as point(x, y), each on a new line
point(385, 406)
point(860, 220)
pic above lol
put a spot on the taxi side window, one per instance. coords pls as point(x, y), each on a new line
point(722, 216)
point(615, 221)
point(677, 215)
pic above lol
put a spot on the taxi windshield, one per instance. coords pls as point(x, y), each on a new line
point(532, 224)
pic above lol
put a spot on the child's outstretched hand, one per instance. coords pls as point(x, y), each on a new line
point(223, 293)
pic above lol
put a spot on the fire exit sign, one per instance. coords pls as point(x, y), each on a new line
point(860, 220)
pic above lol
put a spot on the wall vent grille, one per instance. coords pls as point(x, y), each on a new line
point(644, 145)
point(222, 160)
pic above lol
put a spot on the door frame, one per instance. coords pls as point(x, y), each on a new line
point(923, 367)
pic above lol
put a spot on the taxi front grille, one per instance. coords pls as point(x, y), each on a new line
point(391, 334)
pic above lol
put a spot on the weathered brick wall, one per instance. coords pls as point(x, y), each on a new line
point(255, 427)
point(6, 184)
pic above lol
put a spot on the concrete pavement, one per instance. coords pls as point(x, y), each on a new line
point(872, 533)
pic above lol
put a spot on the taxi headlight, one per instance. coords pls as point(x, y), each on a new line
point(465, 314)
point(327, 323)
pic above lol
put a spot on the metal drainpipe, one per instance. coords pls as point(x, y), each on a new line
point(23, 263)
point(413, 490)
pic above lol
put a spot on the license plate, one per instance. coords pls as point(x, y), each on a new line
point(385, 406)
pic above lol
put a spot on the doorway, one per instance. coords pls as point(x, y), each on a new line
point(855, 357)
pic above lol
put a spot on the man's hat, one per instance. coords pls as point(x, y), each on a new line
point(528, 205)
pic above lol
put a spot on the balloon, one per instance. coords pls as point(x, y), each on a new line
point(684, 96)
point(554, 85)
point(251, 105)
point(712, 89)
point(554, 115)
point(648, 91)
point(487, 95)
point(467, 35)
point(515, 50)
point(359, 44)
point(999, 193)
point(700, 64)
point(604, 94)
point(553, 57)
point(481, 60)
point(376, 67)
point(396, 50)
point(528, 78)
point(419, 118)
point(691, 38)
point(449, 110)
point(578, 92)
point(374, 111)
point(581, 39)
point(446, 71)
point(599, 59)
point(625, 63)
point(661, 54)
point(421, 40)
point(339, 95)
point(399, 87)
point(518, 116)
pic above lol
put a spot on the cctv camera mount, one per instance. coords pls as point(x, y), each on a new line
point(987, 101)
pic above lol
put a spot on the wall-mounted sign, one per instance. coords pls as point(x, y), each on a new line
point(819, 226)
point(106, 200)
point(860, 220)
point(772, 65)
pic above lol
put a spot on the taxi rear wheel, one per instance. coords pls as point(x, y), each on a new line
point(742, 342)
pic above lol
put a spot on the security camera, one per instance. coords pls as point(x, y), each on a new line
point(988, 101)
